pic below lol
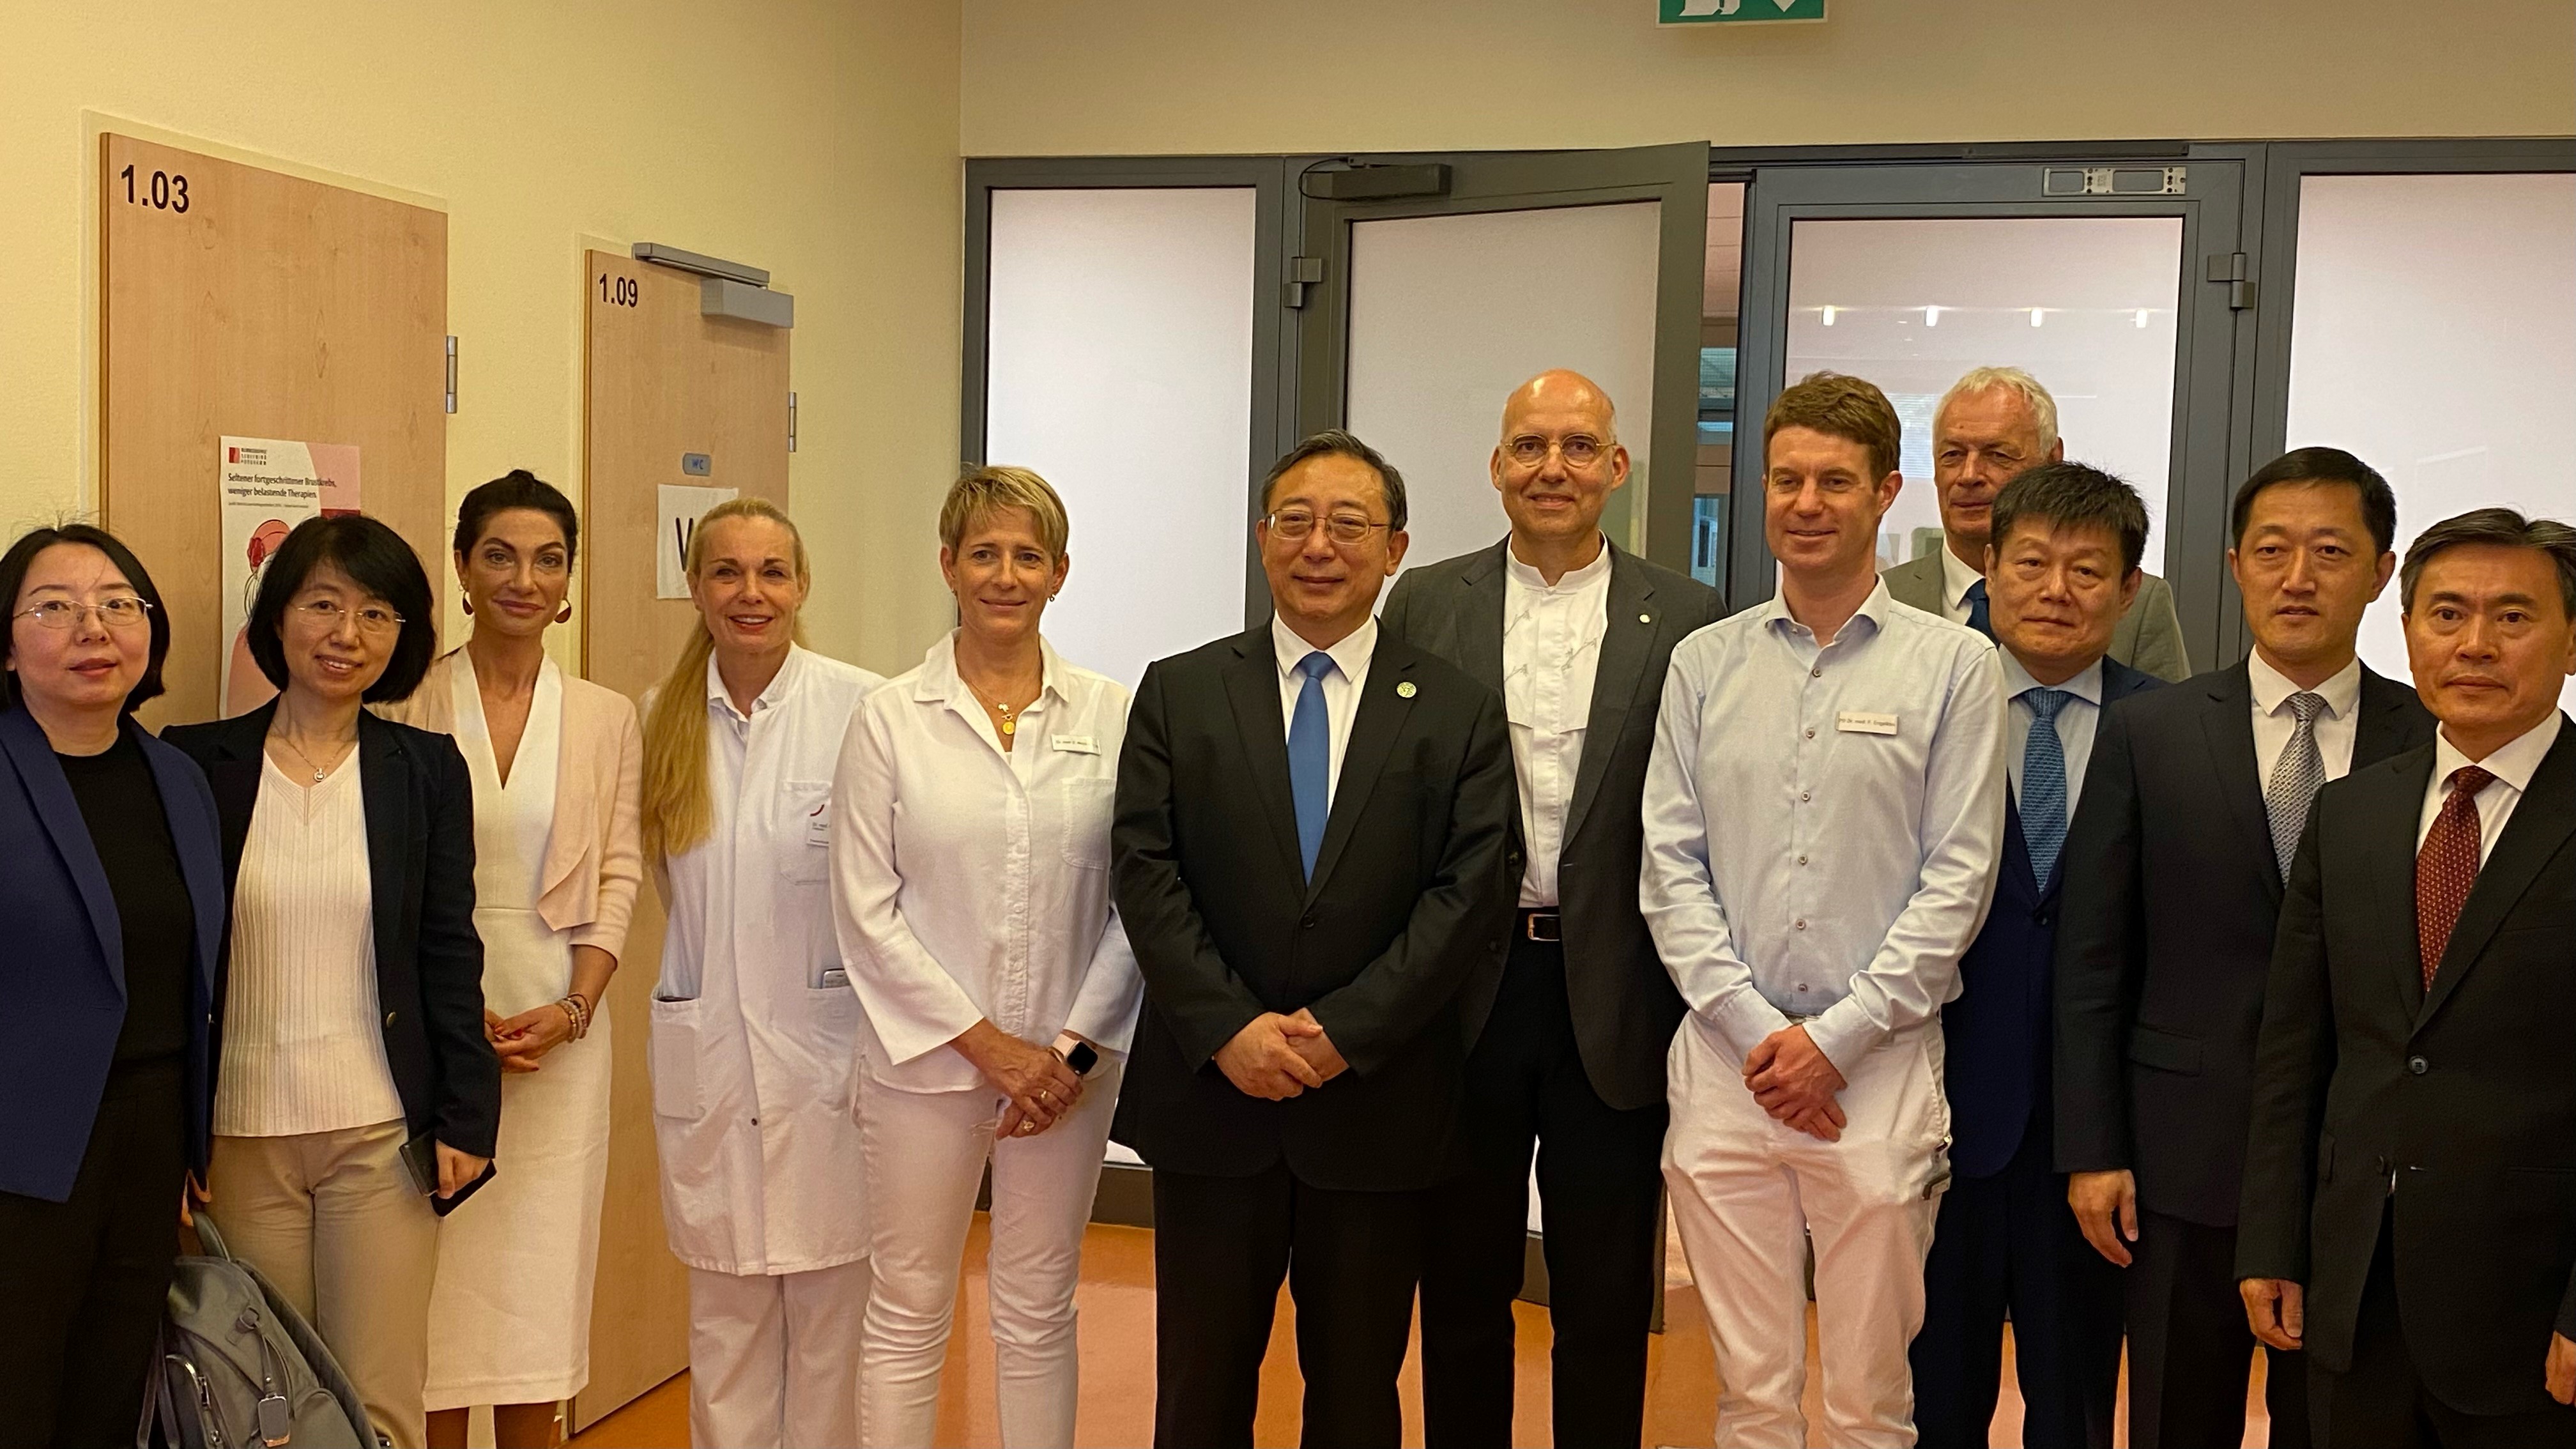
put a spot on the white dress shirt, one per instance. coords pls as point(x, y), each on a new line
point(1822, 823)
point(2274, 723)
point(972, 883)
point(2511, 764)
point(1956, 579)
point(1551, 651)
point(2076, 720)
point(1342, 685)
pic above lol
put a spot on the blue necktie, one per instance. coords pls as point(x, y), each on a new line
point(1310, 758)
point(1978, 618)
point(2043, 782)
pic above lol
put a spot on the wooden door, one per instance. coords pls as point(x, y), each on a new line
point(247, 302)
point(664, 383)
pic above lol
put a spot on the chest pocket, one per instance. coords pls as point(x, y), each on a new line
point(1087, 804)
point(805, 829)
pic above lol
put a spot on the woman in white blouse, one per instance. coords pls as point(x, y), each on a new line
point(755, 1031)
point(971, 880)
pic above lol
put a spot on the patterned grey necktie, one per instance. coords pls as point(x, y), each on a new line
point(2296, 778)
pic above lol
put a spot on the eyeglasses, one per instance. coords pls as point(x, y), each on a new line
point(119, 613)
point(1293, 524)
point(326, 614)
point(1579, 450)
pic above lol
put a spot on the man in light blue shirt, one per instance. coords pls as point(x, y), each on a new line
point(1822, 815)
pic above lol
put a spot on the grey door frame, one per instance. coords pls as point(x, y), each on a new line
point(1491, 181)
point(2209, 389)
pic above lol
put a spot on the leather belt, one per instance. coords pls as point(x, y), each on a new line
point(1542, 925)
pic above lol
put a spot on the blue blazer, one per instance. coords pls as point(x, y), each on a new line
point(1996, 1034)
point(62, 975)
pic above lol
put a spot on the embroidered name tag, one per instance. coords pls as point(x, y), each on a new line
point(1077, 744)
point(1862, 722)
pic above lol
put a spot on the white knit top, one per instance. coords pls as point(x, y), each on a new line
point(304, 1047)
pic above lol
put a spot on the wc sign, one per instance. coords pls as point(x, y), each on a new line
point(1724, 12)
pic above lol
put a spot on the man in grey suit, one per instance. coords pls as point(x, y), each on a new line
point(1993, 423)
point(1568, 1041)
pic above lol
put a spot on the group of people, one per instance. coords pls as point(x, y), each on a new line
point(1902, 932)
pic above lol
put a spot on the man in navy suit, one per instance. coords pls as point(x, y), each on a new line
point(2061, 568)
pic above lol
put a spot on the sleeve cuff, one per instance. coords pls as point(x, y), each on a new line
point(1844, 1035)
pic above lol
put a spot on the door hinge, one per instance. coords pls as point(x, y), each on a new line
point(1303, 272)
point(451, 373)
point(2234, 269)
point(2114, 180)
point(791, 422)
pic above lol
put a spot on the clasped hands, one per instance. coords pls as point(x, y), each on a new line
point(1796, 1083)
point(1277, 1057)
point(1042, 1087)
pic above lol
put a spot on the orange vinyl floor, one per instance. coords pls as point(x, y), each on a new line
point(1117, 1302)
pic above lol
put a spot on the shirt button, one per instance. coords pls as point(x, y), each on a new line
point(1802, 986)
point(1805, 796)
point(1811, 734)
point(1802, 860)
point(1816, 673)
point(2418, 1065)
point(1802, 925)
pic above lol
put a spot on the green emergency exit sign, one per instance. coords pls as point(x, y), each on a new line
point(1727, 12)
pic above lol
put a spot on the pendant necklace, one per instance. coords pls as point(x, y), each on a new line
point(319, 774)
point(1010, 724)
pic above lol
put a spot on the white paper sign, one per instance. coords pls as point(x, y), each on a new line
point(266, 487)
point(681, 508)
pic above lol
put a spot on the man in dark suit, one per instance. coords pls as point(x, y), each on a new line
point(1313, 856)
point(2062, 568)
point(2193, 804)
point(2409, 1213)
point(1573, 634)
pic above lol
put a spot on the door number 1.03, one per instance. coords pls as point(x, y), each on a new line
point(620, 291)
point(162, 190)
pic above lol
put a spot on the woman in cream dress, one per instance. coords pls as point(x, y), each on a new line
point(557, 770)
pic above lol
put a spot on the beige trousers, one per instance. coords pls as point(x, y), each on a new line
point(334, 1221)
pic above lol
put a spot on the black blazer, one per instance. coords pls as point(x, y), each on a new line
point(2165, 938)
point(1623, 1002)
point(1996, 1032)
point(62, 977)
point(1412, 894)
point(420, 853)
point(2466, 1096)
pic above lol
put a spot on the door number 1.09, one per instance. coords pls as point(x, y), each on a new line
point(620, 291)
point(162, 190)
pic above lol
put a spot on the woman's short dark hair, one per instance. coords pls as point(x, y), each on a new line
point(517, 488)
point(2322, 465)
point(13, 577)
point(378, 561)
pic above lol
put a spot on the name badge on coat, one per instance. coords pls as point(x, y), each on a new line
point(818, 826)
point(1077, 744)
point(1864, 722)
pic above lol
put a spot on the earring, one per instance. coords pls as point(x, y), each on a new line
point(469, 608)
point(564, 615)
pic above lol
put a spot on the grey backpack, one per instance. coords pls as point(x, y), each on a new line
point(239, 1368)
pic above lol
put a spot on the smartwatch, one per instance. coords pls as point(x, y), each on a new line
point(1077, 1053)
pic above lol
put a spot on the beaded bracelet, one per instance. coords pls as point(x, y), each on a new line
point(579, 1011)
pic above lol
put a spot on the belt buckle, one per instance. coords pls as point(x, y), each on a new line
point(1543, 926)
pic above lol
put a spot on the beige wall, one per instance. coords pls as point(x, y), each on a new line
point(1146, 76)
point(816, 138)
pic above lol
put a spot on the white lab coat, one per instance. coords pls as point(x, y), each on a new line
point(755, 1051)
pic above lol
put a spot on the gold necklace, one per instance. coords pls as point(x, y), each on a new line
point(1010, 717)
point(319, 774)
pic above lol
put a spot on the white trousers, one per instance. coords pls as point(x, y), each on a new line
point(926, 1153)
point(1749, 1193)
point(771, 1355)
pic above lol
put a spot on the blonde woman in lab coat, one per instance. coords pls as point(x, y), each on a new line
point(755, 1027)
point(970, 863)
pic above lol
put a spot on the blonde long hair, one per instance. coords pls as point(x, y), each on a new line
point(678, 811)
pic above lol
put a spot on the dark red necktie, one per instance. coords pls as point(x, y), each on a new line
point(2447, 867)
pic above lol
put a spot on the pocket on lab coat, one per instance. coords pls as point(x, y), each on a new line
point(808, 807)
point(1088, 804)
point(674, 1060)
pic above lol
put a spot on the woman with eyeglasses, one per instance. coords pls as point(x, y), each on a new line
point(970, 861)
point(111, 885)
point(558, 766)
point(355, 1084)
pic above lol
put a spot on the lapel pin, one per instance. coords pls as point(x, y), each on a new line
point(1645, 618)
point(1404, 690)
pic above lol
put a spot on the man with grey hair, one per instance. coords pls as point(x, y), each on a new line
point(1993, 423)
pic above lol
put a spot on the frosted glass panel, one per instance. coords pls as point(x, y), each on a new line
point(1912, 304)
point(2434, 334)
point(1450, 313)
point(1120, 349)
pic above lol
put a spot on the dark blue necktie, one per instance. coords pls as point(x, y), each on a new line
point(2043, 782)
point(1978, 618)
point(1310, 758)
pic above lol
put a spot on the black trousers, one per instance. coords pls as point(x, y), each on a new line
point(1600, 1186)
point(83, 1282)
point(2009, 1242)
point(2191, 1352)
point(1221, 1247)
point(2380, 1403)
